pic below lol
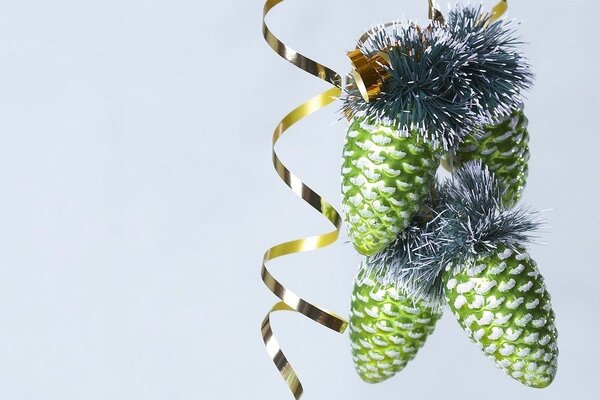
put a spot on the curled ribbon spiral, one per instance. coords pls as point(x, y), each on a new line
point(289, 300)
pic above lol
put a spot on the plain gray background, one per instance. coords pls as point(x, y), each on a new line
point(137, 197)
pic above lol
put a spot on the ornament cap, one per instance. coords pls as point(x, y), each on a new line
point(369, 73)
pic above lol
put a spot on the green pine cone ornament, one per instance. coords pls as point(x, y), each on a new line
point(501, 301)
point(386, 328)
point(385, 178)
point(504, 149)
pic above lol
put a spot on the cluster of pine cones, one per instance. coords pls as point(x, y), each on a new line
point(460, 243)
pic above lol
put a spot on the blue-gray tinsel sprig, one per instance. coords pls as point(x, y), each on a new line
point(465, 219)
point(447, 79)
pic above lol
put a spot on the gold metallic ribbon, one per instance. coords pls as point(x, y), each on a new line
point(299, 60)
point(289, 300)
point(498, 10)
point(434, 11)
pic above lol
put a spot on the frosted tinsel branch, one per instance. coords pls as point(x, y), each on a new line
point(446, 79)
point(466, 218)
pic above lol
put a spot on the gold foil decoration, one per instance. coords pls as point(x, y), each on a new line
point(498, 10)
point(299, 60)
point(434, 12)
point(369, 73)
point(289, 300)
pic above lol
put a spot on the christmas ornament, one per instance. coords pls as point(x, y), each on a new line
point(500, 300)
point(385, 177)
point(504, 148)
point(388, 325)
point(450, 91)
point(492, 286)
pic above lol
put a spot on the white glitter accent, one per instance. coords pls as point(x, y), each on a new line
point(384, 366)
point(502, 319)
point(532, 304)
point(451, 283)
point(378, 296)
point(378, 341)
point(476, 270)
point(486, 318)
point(515, 303)
point(376, 356)
point(531, 338)
point(397, 339)
point(518, 365)
point(538, 323)
point(410, 310)
point(406, 326)
point(465, 287)
point(505, 286)
point(545, 340)
point(526, 287)
point(460, 301)
point(415, 335)
point(478, 302)
point(477, 335)
point(382, 327)
point(381, 140)
point(484, 287)
point(498, 269)
point(392, 353)
point(523, 321)
point(517, 270)
point(496, 333)
point(505, 254)
point(507, 350)
point(524, 352)
point(513, 335)
point(491, 349)
point(470, 319)
point(373, 313)
point(494, 302)
point(368, 328)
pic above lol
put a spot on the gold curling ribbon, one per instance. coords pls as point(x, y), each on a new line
point(299, 60)
point(289, 300)
point(434, 12)
point(498, 10)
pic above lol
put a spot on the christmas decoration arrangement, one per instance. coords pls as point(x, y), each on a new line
point(445, 94)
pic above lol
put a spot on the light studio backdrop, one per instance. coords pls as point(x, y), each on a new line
point(137, 197)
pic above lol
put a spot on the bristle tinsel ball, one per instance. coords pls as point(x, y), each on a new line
point(445, 79)
point(424, 93)
point(497, 70)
